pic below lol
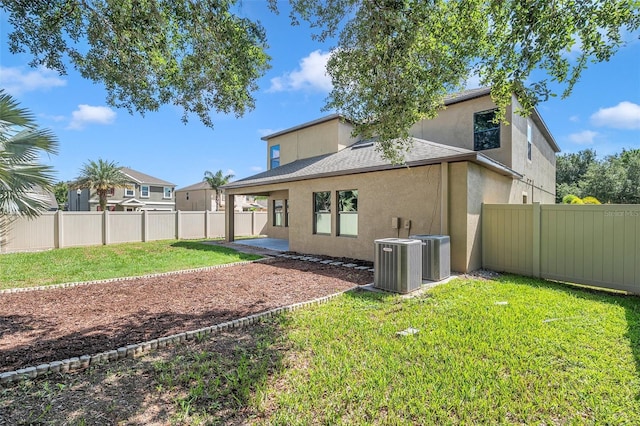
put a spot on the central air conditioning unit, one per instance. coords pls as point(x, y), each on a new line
point(436, 256)
point(397, 265)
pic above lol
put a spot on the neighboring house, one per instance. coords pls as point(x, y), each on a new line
point(200, 197)
point(144, 192)
point(332, 194)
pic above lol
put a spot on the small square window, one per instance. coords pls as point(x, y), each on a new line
point(168, 193)
point(144, 191)
point(129, 191)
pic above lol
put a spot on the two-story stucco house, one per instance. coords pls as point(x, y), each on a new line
point(144, 192)
point(332, 194)
point(201, 197)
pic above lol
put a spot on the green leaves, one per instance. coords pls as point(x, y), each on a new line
point(193, 54)
point(397, 60)
point(22, 177)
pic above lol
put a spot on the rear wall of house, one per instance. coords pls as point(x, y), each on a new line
point(324, 138)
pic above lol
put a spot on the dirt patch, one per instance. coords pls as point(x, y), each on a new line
point(43, 326)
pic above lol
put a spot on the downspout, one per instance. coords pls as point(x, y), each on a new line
point(444, 198)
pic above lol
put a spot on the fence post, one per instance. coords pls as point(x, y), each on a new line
point(105, 227)
point(253, 223)
point(59, 231)
point(537, 213)
point(145, 225)
point(178, 225)
point(207, 224)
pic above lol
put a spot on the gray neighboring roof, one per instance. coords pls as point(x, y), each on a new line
point(139, 177)
point(363, 157)
point(195, 186)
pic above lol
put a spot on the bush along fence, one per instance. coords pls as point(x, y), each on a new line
point(73, 229)
point(597, 245)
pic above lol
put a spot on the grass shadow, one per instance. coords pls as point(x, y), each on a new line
point(216, 380)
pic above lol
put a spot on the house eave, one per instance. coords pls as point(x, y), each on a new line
point(473, 157)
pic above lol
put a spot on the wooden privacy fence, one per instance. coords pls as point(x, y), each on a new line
point(72, 229)
point(594, 245)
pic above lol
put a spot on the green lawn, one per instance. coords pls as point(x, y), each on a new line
point(515, 351)
point(507, 351)
point(111, 261)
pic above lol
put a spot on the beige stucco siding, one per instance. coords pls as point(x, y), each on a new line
point(198, 200)
point(323, 138)
point(454, 126)
point(540, 172)
point(408, 193)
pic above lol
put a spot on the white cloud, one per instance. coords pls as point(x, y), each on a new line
point(56, 118)
point(230, 172)
point(15, 81)
point(256, 168)
point(574, 118)
point(311, 75)
point(625, 115)
point(473, 82)
point(87, 114)
point(585, 137)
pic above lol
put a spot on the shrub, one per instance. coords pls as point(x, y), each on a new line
point(568, 199)
point(591, 200)
point(576, 201)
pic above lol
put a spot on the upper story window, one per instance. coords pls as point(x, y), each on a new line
point(167, 192)
point(144, 191)
point(529, 141)
point(486, 133)
point(348, 213)
point(274, 156)
point(129, 191)
point(322, 212)
point(111, 192)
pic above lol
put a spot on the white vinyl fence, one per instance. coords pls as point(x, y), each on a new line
point(72, 229)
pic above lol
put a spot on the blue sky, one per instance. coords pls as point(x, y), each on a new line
point(603, 112)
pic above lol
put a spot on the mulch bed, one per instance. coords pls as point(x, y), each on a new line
point(48, 325)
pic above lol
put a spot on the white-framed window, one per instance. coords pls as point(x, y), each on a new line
point(274, 156)
point(348, 213)
point(129, 191)
point(167, 193)
point(322, 212)
point(144, 191)
point(529, 141)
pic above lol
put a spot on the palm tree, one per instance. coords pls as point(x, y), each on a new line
point(21, 176)
point(101, 176)
point(215, 182)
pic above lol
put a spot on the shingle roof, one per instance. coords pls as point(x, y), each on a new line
point(144, 178)
point(196, 186)
point(363, 157)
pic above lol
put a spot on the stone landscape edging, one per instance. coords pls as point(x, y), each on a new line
point(120, 279)
point(136, 350)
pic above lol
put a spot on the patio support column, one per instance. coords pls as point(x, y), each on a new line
point(444, 198)
point(229, 216)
